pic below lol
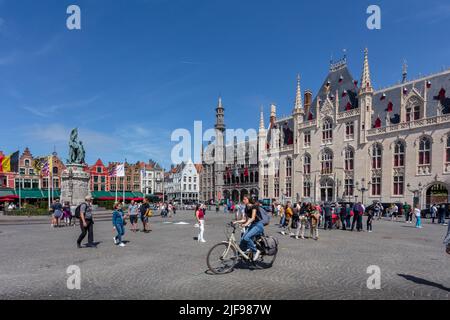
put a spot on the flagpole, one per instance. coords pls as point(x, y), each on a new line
point(48, 189)
point(20, 193)
point(51, 179)
point(124, 176)
point(117, 185)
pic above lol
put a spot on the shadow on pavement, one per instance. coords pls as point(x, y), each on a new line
point(424, 282)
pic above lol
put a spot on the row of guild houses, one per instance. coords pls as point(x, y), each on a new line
point(349, 142)
point(32, 186)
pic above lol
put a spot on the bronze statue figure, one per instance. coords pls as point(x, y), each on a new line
point(76, 149)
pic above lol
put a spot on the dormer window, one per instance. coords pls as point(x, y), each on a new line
point(412, 113)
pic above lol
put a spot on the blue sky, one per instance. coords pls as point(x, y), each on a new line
point(139, 69)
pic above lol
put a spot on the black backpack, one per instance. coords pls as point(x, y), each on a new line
point(78, 211)
point(270, 245)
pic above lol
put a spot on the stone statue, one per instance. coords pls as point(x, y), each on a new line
point(76, 149)
point(81, 153)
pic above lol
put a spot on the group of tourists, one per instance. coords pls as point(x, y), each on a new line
point(61, 214)
point(301, 216)
point(134, 213)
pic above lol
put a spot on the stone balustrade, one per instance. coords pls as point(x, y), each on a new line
point(410, 125)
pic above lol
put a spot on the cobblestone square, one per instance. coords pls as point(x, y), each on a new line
point(169, 264)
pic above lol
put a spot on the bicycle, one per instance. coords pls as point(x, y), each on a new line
point(223, 257)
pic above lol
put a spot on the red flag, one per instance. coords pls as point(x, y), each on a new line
point(442, 94)
point(390, 107)
point(246, 172)
point(377, 123)
point(310, 116)
point(348, 107)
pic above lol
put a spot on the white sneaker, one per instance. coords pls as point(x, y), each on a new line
point(122, 245)
point(256, 255)
point(283, 233)
point(297, 238)
point(203, 240)
point(115, 240)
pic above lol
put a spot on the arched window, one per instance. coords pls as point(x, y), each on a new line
point(288, 167)
point(399, 184)
point(327, 162)
point(399, 154)
point(349, 130)
point(307, 189)
point(307, 164)
point(412, 113)
point(27, 163)
point(349, 159)
point(424, 151)
point(377, 154)
point(327, 131)
point(277, 168)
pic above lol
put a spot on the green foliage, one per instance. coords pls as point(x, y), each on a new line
point(29, 210)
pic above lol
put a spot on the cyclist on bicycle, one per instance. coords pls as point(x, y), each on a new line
point(255, 227)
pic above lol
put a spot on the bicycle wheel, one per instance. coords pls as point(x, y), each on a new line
point(221, 259)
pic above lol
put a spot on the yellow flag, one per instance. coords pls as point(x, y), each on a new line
point(50, 164)
point(6, 164)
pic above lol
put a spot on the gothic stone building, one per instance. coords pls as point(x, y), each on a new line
point(352, 142)
point(229, 170)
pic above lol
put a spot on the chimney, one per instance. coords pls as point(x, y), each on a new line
point(308, 102)
point(308, 98)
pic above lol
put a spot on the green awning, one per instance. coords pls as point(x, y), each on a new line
point(102, 194)
point(56, 193)
point(7, 193)
point(32, 194)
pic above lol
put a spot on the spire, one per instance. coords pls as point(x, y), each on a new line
point(366, 83)
point(298, 97)
point(404, 71)
point(261, 121)
point(220, 116)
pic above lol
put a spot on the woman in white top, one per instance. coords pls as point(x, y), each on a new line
point(418, 217)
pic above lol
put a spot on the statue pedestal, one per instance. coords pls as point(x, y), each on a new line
point(74, 184)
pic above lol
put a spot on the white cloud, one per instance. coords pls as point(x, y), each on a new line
point(51, 110)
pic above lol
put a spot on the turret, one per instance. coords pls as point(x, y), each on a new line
point(365, 98)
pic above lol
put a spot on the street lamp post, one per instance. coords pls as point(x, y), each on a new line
point(416, 193)
point(362, 189)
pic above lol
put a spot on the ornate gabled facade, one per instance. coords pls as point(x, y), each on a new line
point(229, 170)
point(352, 142)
